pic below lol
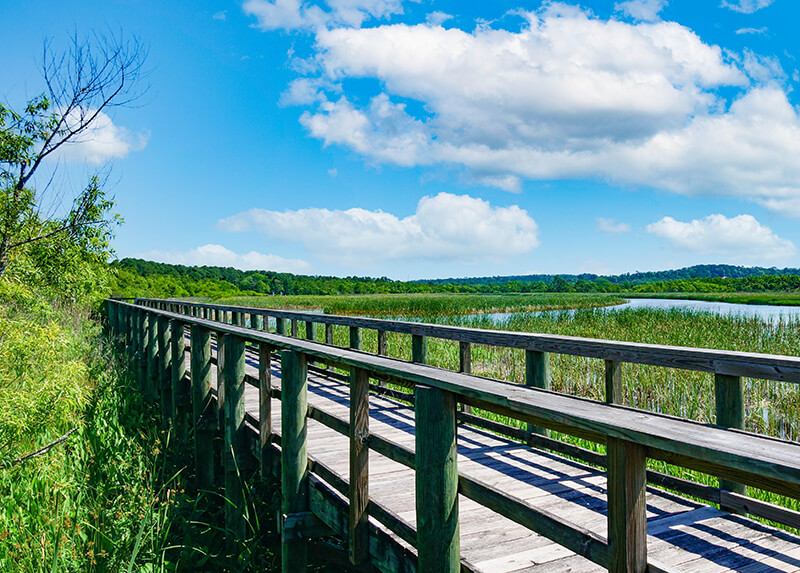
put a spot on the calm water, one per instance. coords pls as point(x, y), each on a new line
point(768, 313)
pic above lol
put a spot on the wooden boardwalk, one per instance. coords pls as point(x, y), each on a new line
point(682, 535)
point(408, 489)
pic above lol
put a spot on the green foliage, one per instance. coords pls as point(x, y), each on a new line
point(80, 506)
point(140, 278)
point(65, 257)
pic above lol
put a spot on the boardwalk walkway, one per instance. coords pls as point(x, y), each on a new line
point(682, 535)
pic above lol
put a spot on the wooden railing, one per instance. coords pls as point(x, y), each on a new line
point(153, 332)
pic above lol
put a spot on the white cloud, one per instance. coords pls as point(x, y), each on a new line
point(763, 69)
point(383, 130)
point(568, 80)
point(741, 238)
point(510, 183)
point(294, 15)
point(746, 6)
point(756, 31)
point(304, 91)
point(221, 15)
point(101, 141)
point(611, 226)
point(568, 97)
point(219, 256)
point(333, 172)
point(444, 227)
point(437, 18)
point(645, 10)
point(565, 96)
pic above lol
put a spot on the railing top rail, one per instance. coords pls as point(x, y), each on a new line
point(727, 362)
point(759, 460)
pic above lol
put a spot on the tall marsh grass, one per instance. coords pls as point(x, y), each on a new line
point(426, 305)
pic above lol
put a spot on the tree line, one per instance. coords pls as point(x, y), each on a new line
point(137, 277)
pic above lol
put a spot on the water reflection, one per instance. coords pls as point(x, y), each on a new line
point(768, 313)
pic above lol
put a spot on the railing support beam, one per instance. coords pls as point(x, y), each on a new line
point(294, 456)
point(236, 451)
point(729, 391)
point(265, 407)
point(358, 538)
point(537, 375)
point(419, 349)
point(179, 390)
point(627, 509)
point(203, 415)
point(436, 481)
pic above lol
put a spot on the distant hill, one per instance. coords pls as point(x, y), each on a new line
point(694, 272)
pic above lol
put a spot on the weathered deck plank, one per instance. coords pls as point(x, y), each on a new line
point(682, 535)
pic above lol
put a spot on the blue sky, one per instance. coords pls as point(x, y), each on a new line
point(422, 139)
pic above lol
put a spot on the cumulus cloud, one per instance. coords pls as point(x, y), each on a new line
point(444, 227)
point(101, 141)
point(217, 255)
point(746, 6)
point(564, 80)
point(567, 95)
point(611, 226)
point(221, 15)
point(741, 238)
point(646, 10)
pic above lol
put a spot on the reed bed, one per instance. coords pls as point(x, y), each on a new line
point(428, 305)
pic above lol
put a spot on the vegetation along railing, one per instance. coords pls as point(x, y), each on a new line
point(152, 331)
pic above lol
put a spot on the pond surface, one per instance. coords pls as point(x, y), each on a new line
point(769, 313)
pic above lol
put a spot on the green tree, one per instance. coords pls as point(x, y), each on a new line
point(89, 78)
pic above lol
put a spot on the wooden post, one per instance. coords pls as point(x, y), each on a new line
point(355, 338)
point(465, 366)
point(627, 509)
point(203, 415)
point(294, 457)
point(220, 382)
point(382, 343)
point(112, 311)
point(294, 328)
point(729, 392)
point(309, 330)
point(419, 349)
point(130, 338)
point(110, 319)
point(236, 450)
point(537, 375)
point(165, 371)
point(237, 318)
point(358, 538)
point(264, 406)
point(179, 391)
point(280, 326)
point(436, 481)
point(152, 358)
point(613, 382)
point(257, 321)
point(141, 351)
